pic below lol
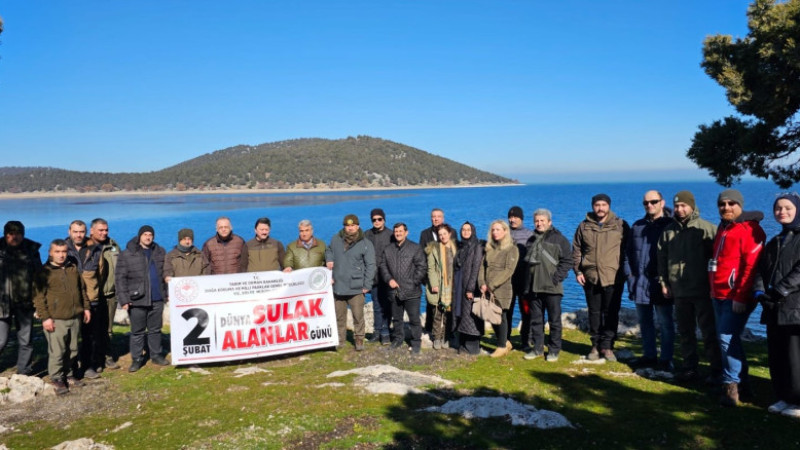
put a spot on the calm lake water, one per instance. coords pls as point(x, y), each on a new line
point(48, 218)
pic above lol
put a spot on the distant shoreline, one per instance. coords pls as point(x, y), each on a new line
point(24, 195)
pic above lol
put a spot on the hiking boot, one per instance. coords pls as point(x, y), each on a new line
point(90, 374)
point(533, 354)
point(665, 366)
point(72, 381)
point(359, 344)
point(110, 363)
point(386, 340)
point(551, 357)
point(593, 355)
point(159, 360)
point(608, 354)
point(136, 364)
point(500, 352)
point(730, 397)
point(437, 344)
point(60, 386)
point(375, 338)
point(415, 350)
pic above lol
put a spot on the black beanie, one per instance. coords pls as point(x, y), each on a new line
point(515, 211)
point(14, 226)
point(377, 212)
point(601, 197)
point(144, 229)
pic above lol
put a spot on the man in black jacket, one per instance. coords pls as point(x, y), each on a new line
point(381, 237)
point(140, 291)
point(403, 267)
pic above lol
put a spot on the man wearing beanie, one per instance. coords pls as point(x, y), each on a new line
point(597, 255)
point(520, 234)
point(225, 252)
point(351, 257)
point(184, 260)
point(140, 291)
point(19, 262)
point(731, 273)
point(684, 250)
point(381, 237)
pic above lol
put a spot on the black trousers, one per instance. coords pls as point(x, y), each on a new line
point(146, 322)
point(551, 303)
point(94, 337)
point(411, 307)
point(603, 303)
point(783, 347)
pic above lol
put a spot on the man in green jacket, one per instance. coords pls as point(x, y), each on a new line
point(684, 249)
point(307, 251)
point(263, 252)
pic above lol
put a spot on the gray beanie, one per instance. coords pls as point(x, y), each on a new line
point(732, 195)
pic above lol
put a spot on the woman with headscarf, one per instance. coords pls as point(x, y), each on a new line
point(777, 287)
point(494, 278)
point(466, 267)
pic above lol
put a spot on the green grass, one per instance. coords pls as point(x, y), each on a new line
point(175, 408)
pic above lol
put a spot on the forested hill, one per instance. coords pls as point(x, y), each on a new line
point(361, 161)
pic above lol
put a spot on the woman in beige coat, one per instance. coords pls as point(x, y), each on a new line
point(439, 290)
point(494, 278)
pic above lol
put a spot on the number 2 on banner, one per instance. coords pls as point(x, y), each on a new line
point(193, 338)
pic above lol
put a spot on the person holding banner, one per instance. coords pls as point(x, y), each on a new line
point(351, 257)
point(307, 251)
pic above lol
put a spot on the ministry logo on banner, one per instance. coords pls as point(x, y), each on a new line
point(249, 315)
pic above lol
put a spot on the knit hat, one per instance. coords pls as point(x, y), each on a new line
point(377, 212)
point(350, 219)
point(733, 195)
point(14, 226)
point(685, 197)
point(144, 229)
point(184, 233)
point(601, 197)
point(515, 211)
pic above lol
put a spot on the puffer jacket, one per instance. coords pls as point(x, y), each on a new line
point(548, 258)
point(684, 249)
point(641, 259)
point(353, 266)
point(406, 265)
point(133, 274)
point(18, 266)
point(779, 276)
point(737, 246)
point(264, 255)
point(380, 240)
point(497, 268)
point(58, 292)
point(180, 264)
point(597, 250)
point(298, 257)
point(224, 256)
point(437, 263)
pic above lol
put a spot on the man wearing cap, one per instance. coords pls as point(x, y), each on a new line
point(520, 234)
point(684, 249)
point(96, 349)
point(306, 251)
point(264, 253)
point(140, 291)
point(184, 260)
point(381, 237)
point(224, 252)
point(641, 270)
point(427, 236)
point(351, 257)
point(19, 263)
point(731, 273)
point(597, 255)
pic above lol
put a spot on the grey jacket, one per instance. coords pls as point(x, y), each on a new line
point(354, 266)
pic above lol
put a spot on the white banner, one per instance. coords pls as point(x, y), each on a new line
point(249, 315)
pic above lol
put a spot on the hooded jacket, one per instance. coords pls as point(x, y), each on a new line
point(353, 265)
point(133, 274)
point(737, 246)
point(641, 258)
point(18, 266)
point(684, 249)
point(597, 249)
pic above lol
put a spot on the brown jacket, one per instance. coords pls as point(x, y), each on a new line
point(107, 264)
point(224, 256)
point(264, 255)
point(597, 251)
point(59, 293)
point(497, 268)
point(180, 264)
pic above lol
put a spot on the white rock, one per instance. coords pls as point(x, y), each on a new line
point(82, 444)
point(21, 388)
point(333, 385)
point(199, 370)
point(122, 427)
point(244, 371)
point(385, 379)
point(517, 413)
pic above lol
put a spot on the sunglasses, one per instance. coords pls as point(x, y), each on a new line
point(377, 219)
point(651, 202)
point(726, 203)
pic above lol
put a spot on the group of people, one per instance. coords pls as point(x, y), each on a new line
point(680, 270)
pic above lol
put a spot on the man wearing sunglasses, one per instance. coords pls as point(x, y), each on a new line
point(643, 288)
point(381, 237)
point(731, 273)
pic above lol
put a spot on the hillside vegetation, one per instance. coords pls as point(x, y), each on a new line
point(361, 161)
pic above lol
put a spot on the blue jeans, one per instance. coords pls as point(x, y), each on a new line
point(647, 326)
point(729, 331)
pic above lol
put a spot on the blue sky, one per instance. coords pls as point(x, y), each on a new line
point(538, 90)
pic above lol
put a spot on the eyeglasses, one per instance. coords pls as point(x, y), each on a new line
point(651, 202)
point(377, 219)
point(726, 203)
